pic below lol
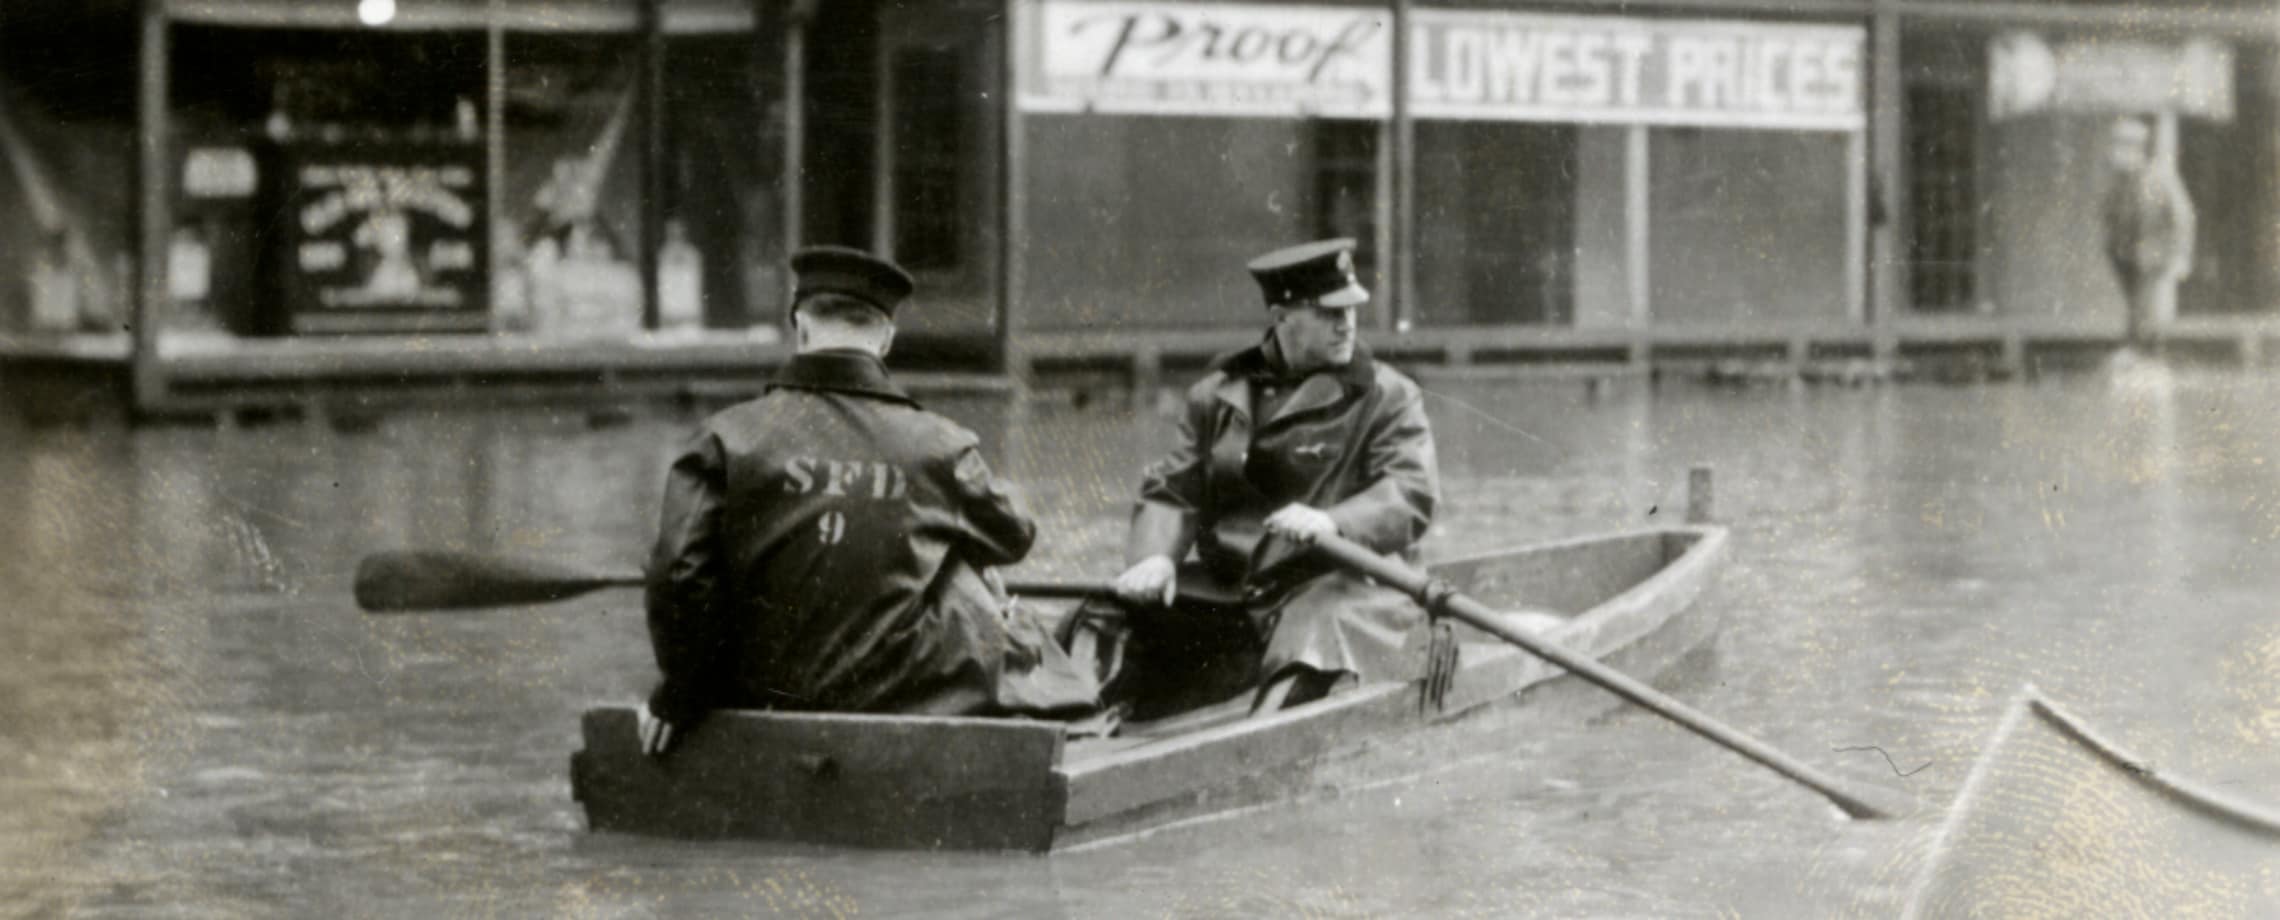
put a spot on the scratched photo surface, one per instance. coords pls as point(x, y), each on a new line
point(1966, 310)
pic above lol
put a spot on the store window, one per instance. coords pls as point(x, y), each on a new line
point(719, 261)
point(327, 181)
point(1496, 214)
point(572, 190)
point(1146, 221)
point(2232, 173)
point(1345, 185)
point(1671, 170)
point(930, 93)
point(2008, 134)
point(66, 138)
point(1151, 176)
point(1943, 196)
point(1747, 225)
point(933, 162)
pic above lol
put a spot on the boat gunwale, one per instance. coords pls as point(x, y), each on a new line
point(1709, 539)
point(1687, 569)
point(1702, 532)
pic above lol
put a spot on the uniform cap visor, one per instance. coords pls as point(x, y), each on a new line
point(1352, 295)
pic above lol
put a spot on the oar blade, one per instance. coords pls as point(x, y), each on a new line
point(406, 581)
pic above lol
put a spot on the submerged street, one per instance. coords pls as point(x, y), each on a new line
point(198, 722)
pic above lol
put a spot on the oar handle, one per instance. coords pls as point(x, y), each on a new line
point(1058, 590)
point(1431, 591)
point(406, 581)
point(1054, 590)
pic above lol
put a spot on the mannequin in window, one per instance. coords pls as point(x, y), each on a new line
point(2148, 221)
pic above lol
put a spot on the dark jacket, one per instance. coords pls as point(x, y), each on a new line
point(1352, 442)
point(819, 550)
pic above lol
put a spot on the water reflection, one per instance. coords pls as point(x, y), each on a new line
point(194, 714)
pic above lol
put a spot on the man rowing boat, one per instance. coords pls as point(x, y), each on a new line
point(1300, 436)
point(826, 546)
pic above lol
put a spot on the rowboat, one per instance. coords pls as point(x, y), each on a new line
point(1004, 784)
point(2056, 819)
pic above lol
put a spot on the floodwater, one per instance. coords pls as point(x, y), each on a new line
point(195, 721)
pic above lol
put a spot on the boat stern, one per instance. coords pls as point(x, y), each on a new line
point(906, 782)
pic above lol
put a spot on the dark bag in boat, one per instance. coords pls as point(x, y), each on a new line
point(1151, 659)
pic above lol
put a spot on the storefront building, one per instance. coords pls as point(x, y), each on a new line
point(227, 195)
point(1642, 178)
point(2005, 123)
point(258, 194)
point(1564, 170)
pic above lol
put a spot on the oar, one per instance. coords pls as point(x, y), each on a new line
point(403, 581)
point(1431, 591)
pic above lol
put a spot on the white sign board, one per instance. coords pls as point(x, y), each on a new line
point(1173, 58)
point(1496, 66)
point(2028, 74)
point(219, 172)
point(1205, 59)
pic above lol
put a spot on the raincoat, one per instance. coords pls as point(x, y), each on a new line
point(826, 546)
point(1351, 441)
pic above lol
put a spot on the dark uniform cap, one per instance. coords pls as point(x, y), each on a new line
point(852, 272)
point(1314, 274)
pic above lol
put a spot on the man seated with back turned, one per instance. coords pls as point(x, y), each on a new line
point(1299, 436)
point(826, 546)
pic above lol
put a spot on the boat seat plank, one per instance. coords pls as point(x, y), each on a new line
point(1167, 768)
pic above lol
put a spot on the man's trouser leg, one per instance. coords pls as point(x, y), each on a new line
point(2135, 302)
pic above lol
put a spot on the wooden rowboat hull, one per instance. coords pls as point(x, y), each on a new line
point(1001, 784)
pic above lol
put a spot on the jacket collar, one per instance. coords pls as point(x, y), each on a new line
point(1318, 390)
point(840, 371)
